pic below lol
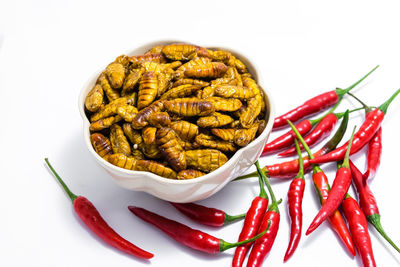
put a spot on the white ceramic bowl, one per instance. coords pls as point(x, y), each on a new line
point(184, 190)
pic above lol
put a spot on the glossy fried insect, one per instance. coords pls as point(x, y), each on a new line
point(240, 92)
point(122, 161)
point(104, 123)
point(148, 89)
point(189, 107)
point(153, 57)
point(185, 130)
point(141, 119)
point(151, 151)
point(133, 135)
point(261, 126)
point(171, 150)
point(111, 108)
point(209, 70)
point(149, 135)
point(137, 154)
point(164, 81)
point(180, 72)
point(159, 119)
point(211, 142)
point(115, 73)
point(225, 104)
point(214, 120)
point(111, 93)
point(94, 99)
point(244, 136)
point(184, 51)
point(119, 143)
point(189, 174)
point(190, 81)
point(227, 134)
point(155, 49)
point(156, 168)
point(131, 80)
point(206, 160)
point(123, 59)
point(127, 112)
point(101, 144)
point(181, 91)
point(251, 111)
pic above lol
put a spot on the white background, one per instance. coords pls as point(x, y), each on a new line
point(49, 48)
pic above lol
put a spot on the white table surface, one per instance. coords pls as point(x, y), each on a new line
point(50, 48)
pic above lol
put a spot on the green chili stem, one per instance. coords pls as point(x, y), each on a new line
point(375, 220)
point(347, 155)
point(367, 108)
point(298, 135)
point(260, 172)
point(263, 193)
point(71, 195)
point(300, 174)
point(385, 105)
point(342, 92)
point(233, 218)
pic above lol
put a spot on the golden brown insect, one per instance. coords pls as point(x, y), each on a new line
point(209, 90)
point(225, 104)
point(190, 81)
point(131, 80)
point(240, 66)
point(127, 112)
point(240, 92)
point(149, 135)
point(116, 74)
point(111, 93)
point(206, 160)
point(156, 168)
point(214, 120)
point(209, 70)
point(184, 51)
point(137, 154)
point(151, 151)
point(101, 144)
point(189, 174)
point(227, 134)
point(185, 130)
point(133, 135)
point(233, 76)
point(171, 150)
point(153, 57)
point(159, 119)
point(189, 107)
point(122, 161)
point(141, 119)
point(244, 136)
point(211, 142)
point(186, 145)
point(181, 91)
point(179, 73)
point(261, 126)
point(174, 65)
point(123, 59)
point(104, 123)
point(156, 49)
point(164, 80)
point(111, 108)
point(94, 99)
point(251, 111)
point(148, 89)
point(119, 143)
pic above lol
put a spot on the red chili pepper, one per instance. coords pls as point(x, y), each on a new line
point(92, 218)
point(270, 221)
point(359, 230)
point(316, 104)
point(288, 169)
point(368, 203)
point(338, 191)
point(367, 130)
point(205, 215)
point(252, 222)
point(295, 200)
point(322, 187)
point(187, 236)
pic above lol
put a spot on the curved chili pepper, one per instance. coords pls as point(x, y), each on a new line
point(359, 230)
point(338, 192)
point(368, 203)
point(252, 222)
point(270, 221)
point(367, 130)
point(295, 200)
point(322, 187)
point(316, 104)
point(205, 215)
point(187, 236)
point(92, 218)
point(288, 169)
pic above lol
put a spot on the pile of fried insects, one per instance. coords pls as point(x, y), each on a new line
point(346, 216)
point(179, 111)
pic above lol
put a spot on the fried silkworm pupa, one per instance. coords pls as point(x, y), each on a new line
point(240, 92)
point(122, 161)
point(155, 49)
point(116, 74)
point(227, 134)
point(209, 70)
point(151, 151)
point(159, 119)
point(179, 73)
point(244, 136)
point(101, 144)
point(206, 160)
point(261, 126)
point(190, 81)
point(123, 59)
point(211, 142)
point(148, 89)
point(170, 148)
point(153, 57)
point(185, 130)
point(214, 120)
point(133, 135)
point(186, 145)
point(225, 104)
point(137, 154)
point(131, 80)
point(111, 93)
point(141, 119)
point(164, 81)
point(156, 168)
point(119, 143)
point(181, 91)
point(149, 135)
point(127, 112)
point(111, 108)
point(174, 65)
point(104, 123)
point(94, 100)
point(189, 174)
point(189, 107)
point(251, 111)
point(184, 51)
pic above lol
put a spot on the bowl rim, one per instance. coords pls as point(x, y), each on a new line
point(145, 45)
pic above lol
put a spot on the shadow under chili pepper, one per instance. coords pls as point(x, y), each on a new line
point(383, 243)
